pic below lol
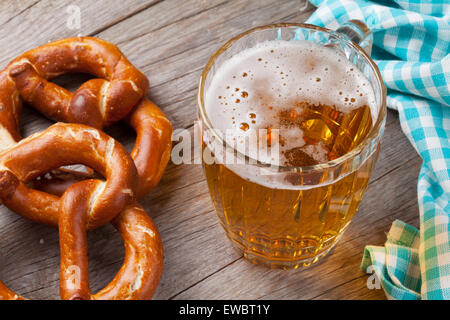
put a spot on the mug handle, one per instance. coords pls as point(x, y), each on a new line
point(359, 33)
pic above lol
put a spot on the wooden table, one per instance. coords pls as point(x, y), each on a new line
point(171, 41)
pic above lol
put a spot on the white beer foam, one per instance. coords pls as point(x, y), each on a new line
point(248, 90)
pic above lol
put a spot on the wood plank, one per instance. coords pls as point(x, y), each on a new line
point(390, 157)
point(29, 24)
point(11, 9)
point(171, 41)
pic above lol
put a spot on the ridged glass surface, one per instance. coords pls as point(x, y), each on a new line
point(285, 228)
point(295, 226)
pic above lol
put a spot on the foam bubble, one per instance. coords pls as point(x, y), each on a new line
point(275, 75)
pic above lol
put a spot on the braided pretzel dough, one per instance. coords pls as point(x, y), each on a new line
point(139, 275)
point(64, 144)
point(86, 204)
point(98, 102)
point(151, 152)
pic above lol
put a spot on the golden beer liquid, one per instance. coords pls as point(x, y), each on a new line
point(285, 228)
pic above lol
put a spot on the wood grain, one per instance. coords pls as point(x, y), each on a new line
point(28, 24)
point(171, 41)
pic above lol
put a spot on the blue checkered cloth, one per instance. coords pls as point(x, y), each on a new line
point(412, 51)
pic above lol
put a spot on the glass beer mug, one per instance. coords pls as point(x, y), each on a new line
point(289, 215)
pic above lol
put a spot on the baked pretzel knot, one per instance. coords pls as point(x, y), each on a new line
point(85, 205)
point(98, 102)
point(150, 153)
point(79, 203)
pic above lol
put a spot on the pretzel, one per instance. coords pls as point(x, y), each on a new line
point(139, 275)
point(150, 153)
point(65, 144)
point(86, 204)
point(98, 102)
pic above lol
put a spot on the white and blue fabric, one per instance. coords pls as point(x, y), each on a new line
point(412, 51)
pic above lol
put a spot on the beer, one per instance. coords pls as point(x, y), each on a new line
point(322, 107)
